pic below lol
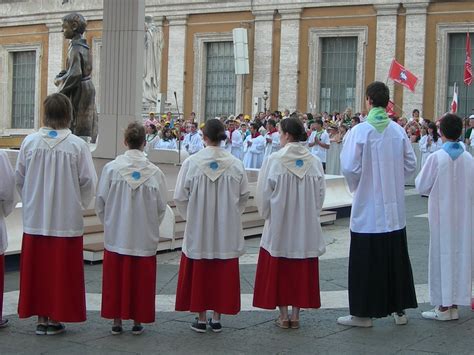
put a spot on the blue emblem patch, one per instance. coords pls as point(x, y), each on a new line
point(52, 134)
point(136, 175)
point(299, 163)
point(214, 165)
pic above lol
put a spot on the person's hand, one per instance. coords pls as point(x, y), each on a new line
point(249, 143)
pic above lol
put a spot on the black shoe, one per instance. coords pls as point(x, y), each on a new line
point(215, 327)
point(41, 329)
point(137, 329)
point(3, 323)
point(54, 329)
point(116, 330)
point(199, 327)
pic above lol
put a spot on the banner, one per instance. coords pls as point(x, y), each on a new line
point(454, 103)
point(468, 63)
point(400, 75)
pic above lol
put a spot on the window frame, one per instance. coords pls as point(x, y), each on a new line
point(315, 61)
point(6, 87)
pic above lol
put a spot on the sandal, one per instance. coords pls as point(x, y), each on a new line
point(284, 324)
point(294, 324)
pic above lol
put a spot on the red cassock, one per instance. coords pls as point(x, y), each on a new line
point(208, 284)
point(286, 282)
point(52, 278)
point(128, 287)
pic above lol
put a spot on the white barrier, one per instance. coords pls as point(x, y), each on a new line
point(166, 156)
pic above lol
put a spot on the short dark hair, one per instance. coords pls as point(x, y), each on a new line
point(294, 127)
point(78, 19)
point(57, 111)
point(272, 122)
point(135, 135)
point(153, 127)
point(378, 94)
point(194, 124)
point(319, 121)
point(214, 130)
point(451, 126)
point(356, 118)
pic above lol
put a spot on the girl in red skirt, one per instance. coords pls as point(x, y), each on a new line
point(290, 195)
point(211, 193)
point(56, 179)
point(131, 203)
point(7, 188)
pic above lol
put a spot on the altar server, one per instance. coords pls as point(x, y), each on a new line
point(234, 141)
point(447, 178)
point(211, 193)
point(319, 142)
point(272, 138)
point(290, 195)
point(167, 141)
point(56, 179)
point(192, 140)
point(131, 203)
point(376, 159)
point(430, 142)
point(254, 148)
point(7, 188)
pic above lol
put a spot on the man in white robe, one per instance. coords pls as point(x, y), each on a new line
point(272, 138)
point(234, 143)
point(447, 177)
point(192, 140)
point(319, 142)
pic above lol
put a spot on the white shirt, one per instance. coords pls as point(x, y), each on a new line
point(237, 145)
point(290, 195)
point(274, 145)
point(131, 203)
point(166, 144)
point(254, 153)
point(316, 149)
point(151, 141)
point(7, 197)
point(449, 184)
point(211, 193)
point(56, 179)
point(375, 166)
point(192, 143)
point(427, 150)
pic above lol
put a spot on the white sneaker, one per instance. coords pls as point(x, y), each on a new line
point(436, 314)
point(354, 321)
point(454, 313)
point(400, 319)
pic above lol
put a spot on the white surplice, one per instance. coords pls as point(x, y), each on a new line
point(169, 144)
point(211, 193)
point(290, 194)
point(427, 150)
point(56, 179)
point(449, 184)
point(192, 142)
point(7, 197)
point(316, 149)
point(131, 203)
point(235, 146)
point(254, 153)
point(375, 166)
point(274, 145)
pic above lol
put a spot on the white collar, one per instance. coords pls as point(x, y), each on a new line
point(213, 161)
point(53, 137)
point(296, 158)
point(135, 168)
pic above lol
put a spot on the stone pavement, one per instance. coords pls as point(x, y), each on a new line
point(252, 331)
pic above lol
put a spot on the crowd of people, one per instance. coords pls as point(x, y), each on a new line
point(56, 180)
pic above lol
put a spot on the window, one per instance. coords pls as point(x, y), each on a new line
point(220, 79)
point(338, 73)
point(23, 89)
point(456, 59)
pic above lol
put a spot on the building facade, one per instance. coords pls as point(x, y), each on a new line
point(311, 56)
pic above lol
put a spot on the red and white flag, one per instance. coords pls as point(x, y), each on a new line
point(468, 63)
point(403, 76)
point(390, 109)
point(454, 103)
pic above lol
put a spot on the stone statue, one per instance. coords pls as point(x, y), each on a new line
point(152, 67)
point(76, 81)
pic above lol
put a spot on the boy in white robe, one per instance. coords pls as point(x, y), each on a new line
point(272, 138)
point(192, 140)
point(7, 188)
point(130, 185)
point(234, 143)
point(447, 177)
point(319, 142)
point(376, 159)
point(254, 147)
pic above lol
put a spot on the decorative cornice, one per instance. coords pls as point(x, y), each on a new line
point(386, 9)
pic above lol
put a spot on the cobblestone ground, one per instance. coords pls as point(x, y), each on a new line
point(253, 331)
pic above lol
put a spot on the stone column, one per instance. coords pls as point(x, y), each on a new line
point(55, 54)
point(289, 59)
point(121, 73)
point(176, 58)
point(385, 49)
point(262, 62)
point(415, 45)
